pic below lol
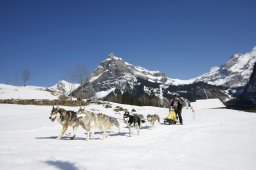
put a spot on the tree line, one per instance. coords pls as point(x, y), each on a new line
point(143, 100)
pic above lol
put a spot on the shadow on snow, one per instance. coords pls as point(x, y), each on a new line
point(62, 165)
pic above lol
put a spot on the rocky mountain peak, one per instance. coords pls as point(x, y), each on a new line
point(114, 75)
point(236, 72)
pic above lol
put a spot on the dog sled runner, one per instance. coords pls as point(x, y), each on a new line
point(171, 119)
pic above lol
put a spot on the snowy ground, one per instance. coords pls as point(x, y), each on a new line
point(212, 139)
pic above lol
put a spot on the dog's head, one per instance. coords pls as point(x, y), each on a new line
point(80, 110)
point(126, 116)
point(149, 118)
point(82, 114)
point(55, 113)
point(101, 115)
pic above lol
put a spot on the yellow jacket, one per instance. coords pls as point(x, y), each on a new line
point(172, 115)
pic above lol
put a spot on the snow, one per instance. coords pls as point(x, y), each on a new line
point(179, 82)
point(209, 139)
point(103, 94)
point(208, 104)
point(112, 57)
point(149, 75)
point(95, 77)
point(24, 92)
point(64, 87)
point(242, 61)
point(238, 65)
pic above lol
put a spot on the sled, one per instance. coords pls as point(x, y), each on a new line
point(171, 119)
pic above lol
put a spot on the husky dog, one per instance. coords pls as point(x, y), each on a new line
point(65, 118)
point(108, 121)
point(90, 121)
point(132, 121)
point(152, 119)
point(142, 118)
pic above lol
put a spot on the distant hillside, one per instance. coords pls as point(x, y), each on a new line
point(25, 92)
point(36, 92)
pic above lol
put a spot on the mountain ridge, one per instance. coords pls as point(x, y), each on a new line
point(114, 76)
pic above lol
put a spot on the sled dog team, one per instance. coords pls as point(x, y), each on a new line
point(91, 121)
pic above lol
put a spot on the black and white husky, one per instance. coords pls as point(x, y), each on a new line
point(65, 118)
point(133, 122)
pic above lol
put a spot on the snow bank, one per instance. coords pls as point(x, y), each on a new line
point(208, 104)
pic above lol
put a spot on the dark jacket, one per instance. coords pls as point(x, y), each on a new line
point(179, 105)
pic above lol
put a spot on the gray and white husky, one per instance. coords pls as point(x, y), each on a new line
point(152, 119)
point(91, 121)
point(65, 118)
point(108, 122)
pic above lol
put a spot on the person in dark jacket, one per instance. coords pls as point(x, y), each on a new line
point(177, 106)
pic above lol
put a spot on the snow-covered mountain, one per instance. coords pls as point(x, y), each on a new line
point(247, 98)
point(236, 72)
point(64, 87)
point(115, 76)
point(118, 68)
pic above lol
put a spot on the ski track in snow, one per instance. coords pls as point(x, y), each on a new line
point(210, 139)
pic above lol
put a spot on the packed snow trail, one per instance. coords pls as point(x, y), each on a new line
point(209, 139)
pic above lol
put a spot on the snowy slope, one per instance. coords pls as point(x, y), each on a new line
point(210, 139)
point(36, 92)
point(27, 92)
point(208, 104)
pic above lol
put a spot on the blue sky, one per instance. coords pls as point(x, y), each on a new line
point(182, 38)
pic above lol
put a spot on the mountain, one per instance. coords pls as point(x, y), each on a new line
point(63, 87)
point(250, 89)
point(235, 73)
point(247, 98)
point(114, 76)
